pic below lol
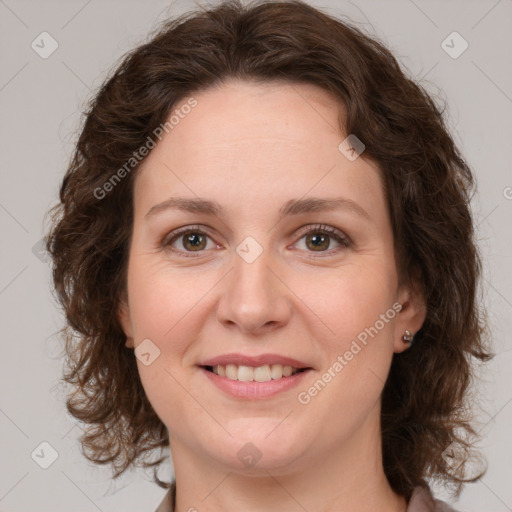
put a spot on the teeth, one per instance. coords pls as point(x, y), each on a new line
point(262, 373)
point(245, 373)
point(287, 371)
point(259, 374)
point(232, 372)
point(276, 371)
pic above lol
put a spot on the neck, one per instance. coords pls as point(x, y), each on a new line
point(348, 477)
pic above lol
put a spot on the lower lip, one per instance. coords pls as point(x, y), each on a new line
point(253, 389)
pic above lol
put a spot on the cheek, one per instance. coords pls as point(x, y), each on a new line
point(167, 307)
point(357, 307)
point(163, 308)
point(161, 301)
point(354, 298)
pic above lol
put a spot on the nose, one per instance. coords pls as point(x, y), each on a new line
point(254, 298)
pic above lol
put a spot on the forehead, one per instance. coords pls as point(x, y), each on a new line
point(259, 140)
point(238, 113)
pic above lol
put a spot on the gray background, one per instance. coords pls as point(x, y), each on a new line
point(40, 104)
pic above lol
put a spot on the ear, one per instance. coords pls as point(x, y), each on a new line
point(412, 315)
point(123, 317)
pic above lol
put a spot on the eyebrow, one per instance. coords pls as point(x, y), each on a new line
point(291, 207)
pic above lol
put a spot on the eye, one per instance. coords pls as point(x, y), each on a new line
point(193, 239)
point(188, 239)
point(320, 239)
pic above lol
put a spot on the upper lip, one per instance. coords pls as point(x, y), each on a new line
point(255, 361)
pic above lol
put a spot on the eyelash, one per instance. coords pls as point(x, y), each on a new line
point(340, 237)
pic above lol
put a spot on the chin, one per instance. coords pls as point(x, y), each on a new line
point(260, 448)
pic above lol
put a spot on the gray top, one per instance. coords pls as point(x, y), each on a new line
point(421, 501)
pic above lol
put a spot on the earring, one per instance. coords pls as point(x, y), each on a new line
point(408, 336)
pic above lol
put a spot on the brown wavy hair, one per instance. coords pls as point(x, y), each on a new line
point(428, 185)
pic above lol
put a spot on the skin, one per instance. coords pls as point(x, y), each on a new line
point(253, 147)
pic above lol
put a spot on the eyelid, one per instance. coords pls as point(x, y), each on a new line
point(169, 237)
point(344, 240)
point(175, 234)
point(321, 228)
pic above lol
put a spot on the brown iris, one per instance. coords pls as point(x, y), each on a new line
point(319, 241)
point(197, 241)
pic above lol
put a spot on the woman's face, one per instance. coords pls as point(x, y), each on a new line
point(252, 169)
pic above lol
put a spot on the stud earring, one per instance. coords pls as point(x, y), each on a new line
point(408, 336)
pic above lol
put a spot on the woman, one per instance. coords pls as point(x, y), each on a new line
point(265, 253)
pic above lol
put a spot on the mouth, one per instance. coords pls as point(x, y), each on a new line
point(262, 376)
point(243, 382)
point(264, 373)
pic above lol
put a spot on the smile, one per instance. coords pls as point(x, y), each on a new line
point(263, 373)
point(242, 381)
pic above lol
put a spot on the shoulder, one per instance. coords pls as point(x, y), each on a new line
point(423, 501)
point(167, 504)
